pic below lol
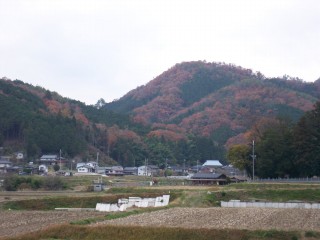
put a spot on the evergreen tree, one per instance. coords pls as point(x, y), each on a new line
point(307, 143)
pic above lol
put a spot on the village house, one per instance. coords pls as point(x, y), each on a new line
point(144, 171)
point(4, 164)
point(209, 179)
point(211, 165)
point(89, 167)
point(178, 170)
point(150, 170)
point(196, 168)
point(130, 171)
point(115, 171)
point(49, 159)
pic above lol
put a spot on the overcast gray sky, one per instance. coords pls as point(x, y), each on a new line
point(91, 49)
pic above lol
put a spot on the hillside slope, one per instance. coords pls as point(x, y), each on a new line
point(215, 100)
point(37, 121)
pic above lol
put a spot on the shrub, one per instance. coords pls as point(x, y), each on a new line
point(56, 167)
point(54, 183)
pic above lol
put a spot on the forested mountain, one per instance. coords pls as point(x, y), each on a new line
point(215, 100)
point(189, 113)
point(37, 121)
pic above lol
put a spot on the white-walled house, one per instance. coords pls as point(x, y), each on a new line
point(85, 169)
point(89, 167)
point(144, 171)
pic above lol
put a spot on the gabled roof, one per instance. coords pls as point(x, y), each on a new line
point(212, 163)
point(208, 176)
point(4, 161)
point(130, 169)
point(85, 166)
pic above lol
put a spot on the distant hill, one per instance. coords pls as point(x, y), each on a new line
point(215, 100)
point(187, 114)
point(37, 121)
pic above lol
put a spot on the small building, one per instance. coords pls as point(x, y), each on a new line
point(130, 171)
point(4, 164)
point(49, 159)
point(102, 170)
point(196, 168)
point(144, 171)
point(154, 170)
point(85, 169)
point(89, 167)
point(178, 170)
point(209, 179)
point(115, 171)
point(212, 163)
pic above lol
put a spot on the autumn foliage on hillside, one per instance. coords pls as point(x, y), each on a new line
point(215, 99)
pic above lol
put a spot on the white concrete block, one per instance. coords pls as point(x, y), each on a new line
point(166, 199)
point(114, 208)
point(123, 207)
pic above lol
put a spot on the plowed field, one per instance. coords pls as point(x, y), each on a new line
point(232, 218)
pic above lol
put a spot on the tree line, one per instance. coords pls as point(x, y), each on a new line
point(283, 149)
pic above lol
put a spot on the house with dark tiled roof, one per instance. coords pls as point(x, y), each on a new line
point(209, 179)
point(4, 164)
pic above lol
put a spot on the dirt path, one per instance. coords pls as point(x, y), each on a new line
point(233, 218)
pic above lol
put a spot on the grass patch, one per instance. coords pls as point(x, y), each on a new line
point(76, 202)
point(116, 215)
point(312, 234)
point(271, 195)
point(146, 233)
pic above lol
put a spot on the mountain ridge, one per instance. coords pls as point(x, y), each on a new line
point(202, 97)
point(191, 111)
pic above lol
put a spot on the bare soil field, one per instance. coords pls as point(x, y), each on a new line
point(14, 223)
point(231, 218)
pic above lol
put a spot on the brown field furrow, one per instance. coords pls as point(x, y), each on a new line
point(232, 218)
point(14, 223)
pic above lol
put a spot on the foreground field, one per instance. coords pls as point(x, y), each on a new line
point(222, 218)
point(14, 223)
point(173, 223)
point(193, 214)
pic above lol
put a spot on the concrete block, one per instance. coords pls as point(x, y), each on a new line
point(123, 207)
point(269, 205)
point(114, 208)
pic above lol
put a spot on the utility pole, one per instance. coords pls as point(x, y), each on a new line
point(166, 166)
point(60, 158)
point(253, 158)
point(97, 158)
point(197, 165)
point(146, 166)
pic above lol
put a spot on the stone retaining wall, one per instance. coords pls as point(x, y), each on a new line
point(238, 204)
